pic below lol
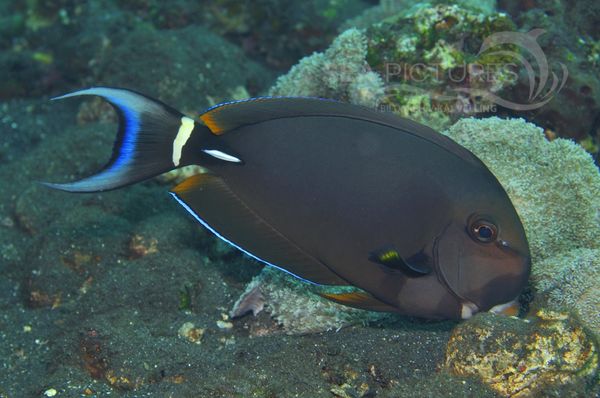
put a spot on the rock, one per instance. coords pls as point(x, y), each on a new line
point(547, 355)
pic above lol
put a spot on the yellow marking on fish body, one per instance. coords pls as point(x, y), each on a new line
point(391, 255)
point(184, 133)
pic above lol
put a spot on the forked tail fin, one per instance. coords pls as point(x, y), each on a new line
point(150, 141)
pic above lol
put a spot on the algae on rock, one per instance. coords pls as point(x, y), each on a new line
point(547, 355)
point(432, 63)
point(297, 307)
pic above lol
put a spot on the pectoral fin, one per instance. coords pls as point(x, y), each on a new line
point(389, 257)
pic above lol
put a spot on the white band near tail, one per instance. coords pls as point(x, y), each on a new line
point(184, 133)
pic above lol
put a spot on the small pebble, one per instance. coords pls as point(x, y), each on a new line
point(224, 325)
point(7, 222)
point(51, 392)
point(190, 332)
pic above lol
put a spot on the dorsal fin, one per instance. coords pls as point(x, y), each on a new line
point(231, 115)
point(210, 200)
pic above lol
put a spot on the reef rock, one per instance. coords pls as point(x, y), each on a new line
point(547, 355)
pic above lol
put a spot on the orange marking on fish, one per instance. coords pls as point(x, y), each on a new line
point(511, 310)
point(209, 121)
point(189, 183)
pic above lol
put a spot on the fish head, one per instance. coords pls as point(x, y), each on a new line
point(483, 258)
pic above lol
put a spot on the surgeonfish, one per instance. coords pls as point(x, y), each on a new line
point(334, 194)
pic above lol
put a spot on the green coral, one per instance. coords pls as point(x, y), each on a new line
point(571, 280)
point(432, 53)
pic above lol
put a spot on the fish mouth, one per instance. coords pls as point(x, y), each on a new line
point(511, 308)
point(468, 309)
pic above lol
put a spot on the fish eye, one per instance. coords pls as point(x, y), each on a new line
point(483, 231)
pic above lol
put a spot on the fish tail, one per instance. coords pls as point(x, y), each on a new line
point(150, 141)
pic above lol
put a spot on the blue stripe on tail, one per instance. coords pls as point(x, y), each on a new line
point(143, 147)
point(131, 129)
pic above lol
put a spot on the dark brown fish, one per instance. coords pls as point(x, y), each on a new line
point(334, 194)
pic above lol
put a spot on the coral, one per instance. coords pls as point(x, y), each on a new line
point(432, 50)
point(572, 280)
point(341, 73)
point(297, 307)
point(554, 185)
point(419, 107)
point(366, 89)
point(397, 48)
point(547, 355)
point(555, 188)
point(389, 10)
point(430, 56)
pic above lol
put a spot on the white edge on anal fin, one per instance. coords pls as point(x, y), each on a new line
point(224, 239)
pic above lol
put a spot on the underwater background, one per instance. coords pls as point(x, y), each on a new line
point(123, 294)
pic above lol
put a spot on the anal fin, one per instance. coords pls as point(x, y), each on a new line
point(213, 203)
point(361, 300)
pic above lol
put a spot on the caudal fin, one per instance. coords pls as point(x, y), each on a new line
point(150, 141)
